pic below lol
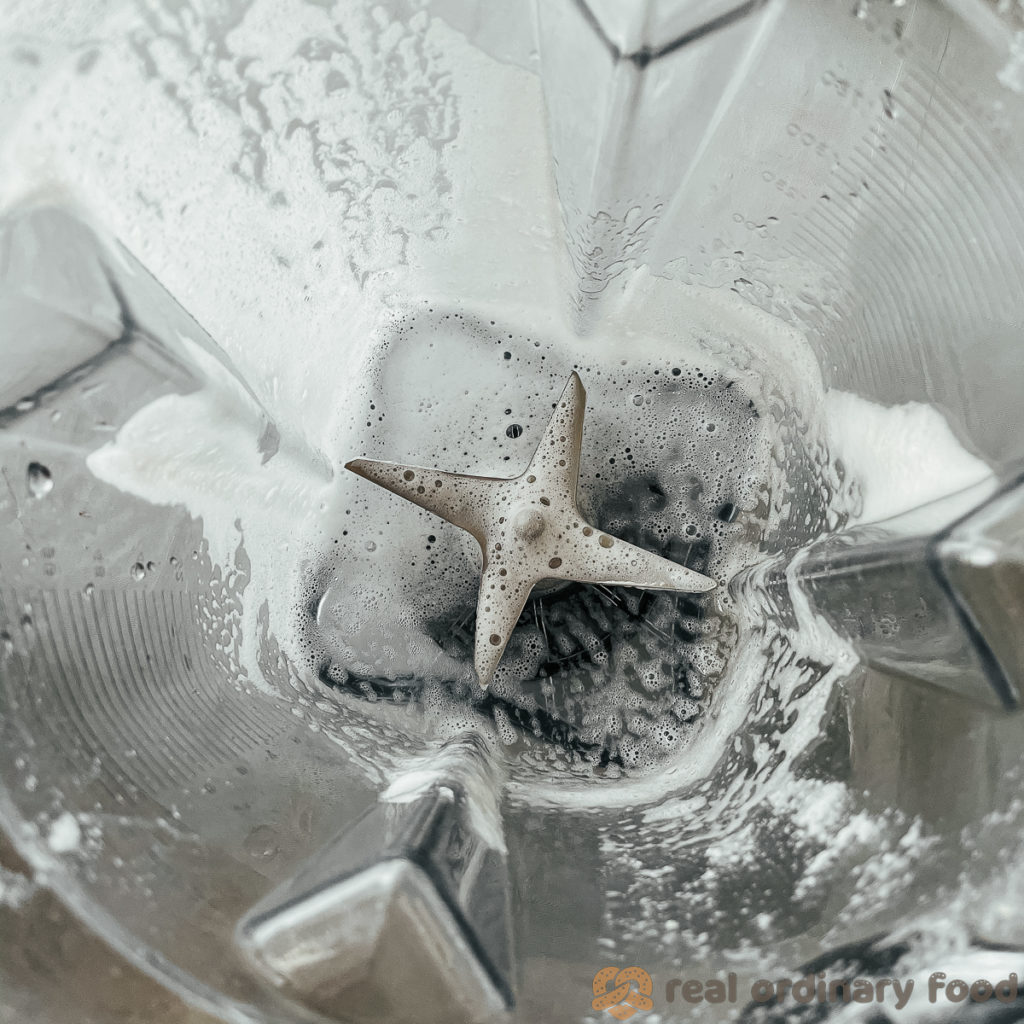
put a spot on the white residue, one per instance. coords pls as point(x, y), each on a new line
point(15, 889)
point(902, 456)
point(1012, 73)
point(65, 834)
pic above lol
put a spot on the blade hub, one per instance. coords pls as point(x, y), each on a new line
point(529, 523)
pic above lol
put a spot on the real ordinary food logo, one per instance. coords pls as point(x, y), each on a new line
point(624, 991)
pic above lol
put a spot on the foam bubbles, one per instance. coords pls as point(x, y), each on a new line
point(605, 675)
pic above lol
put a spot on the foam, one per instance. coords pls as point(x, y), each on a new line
point(65, 834)
point(902, 457)
point(15, 889)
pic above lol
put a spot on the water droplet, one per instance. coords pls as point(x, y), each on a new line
point(370, 546)
point(174, 562)
point(138, 571)
point(88, 590)
point(40, 482)
point(151, 567)
point(262, 842)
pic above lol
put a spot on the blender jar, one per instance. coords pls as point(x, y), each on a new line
point(245, 762)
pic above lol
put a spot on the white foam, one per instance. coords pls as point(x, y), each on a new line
point(901, 456)
point(15, 889)
point(65, 834)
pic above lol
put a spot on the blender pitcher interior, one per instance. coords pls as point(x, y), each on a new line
point(247, 770)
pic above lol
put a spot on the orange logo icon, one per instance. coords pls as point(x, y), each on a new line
point(614, 991)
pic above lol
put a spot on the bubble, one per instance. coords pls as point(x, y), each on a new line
point(39, 480)
point(263, 842)
point(582, 662)
point(138, 571)
point(514, 430)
